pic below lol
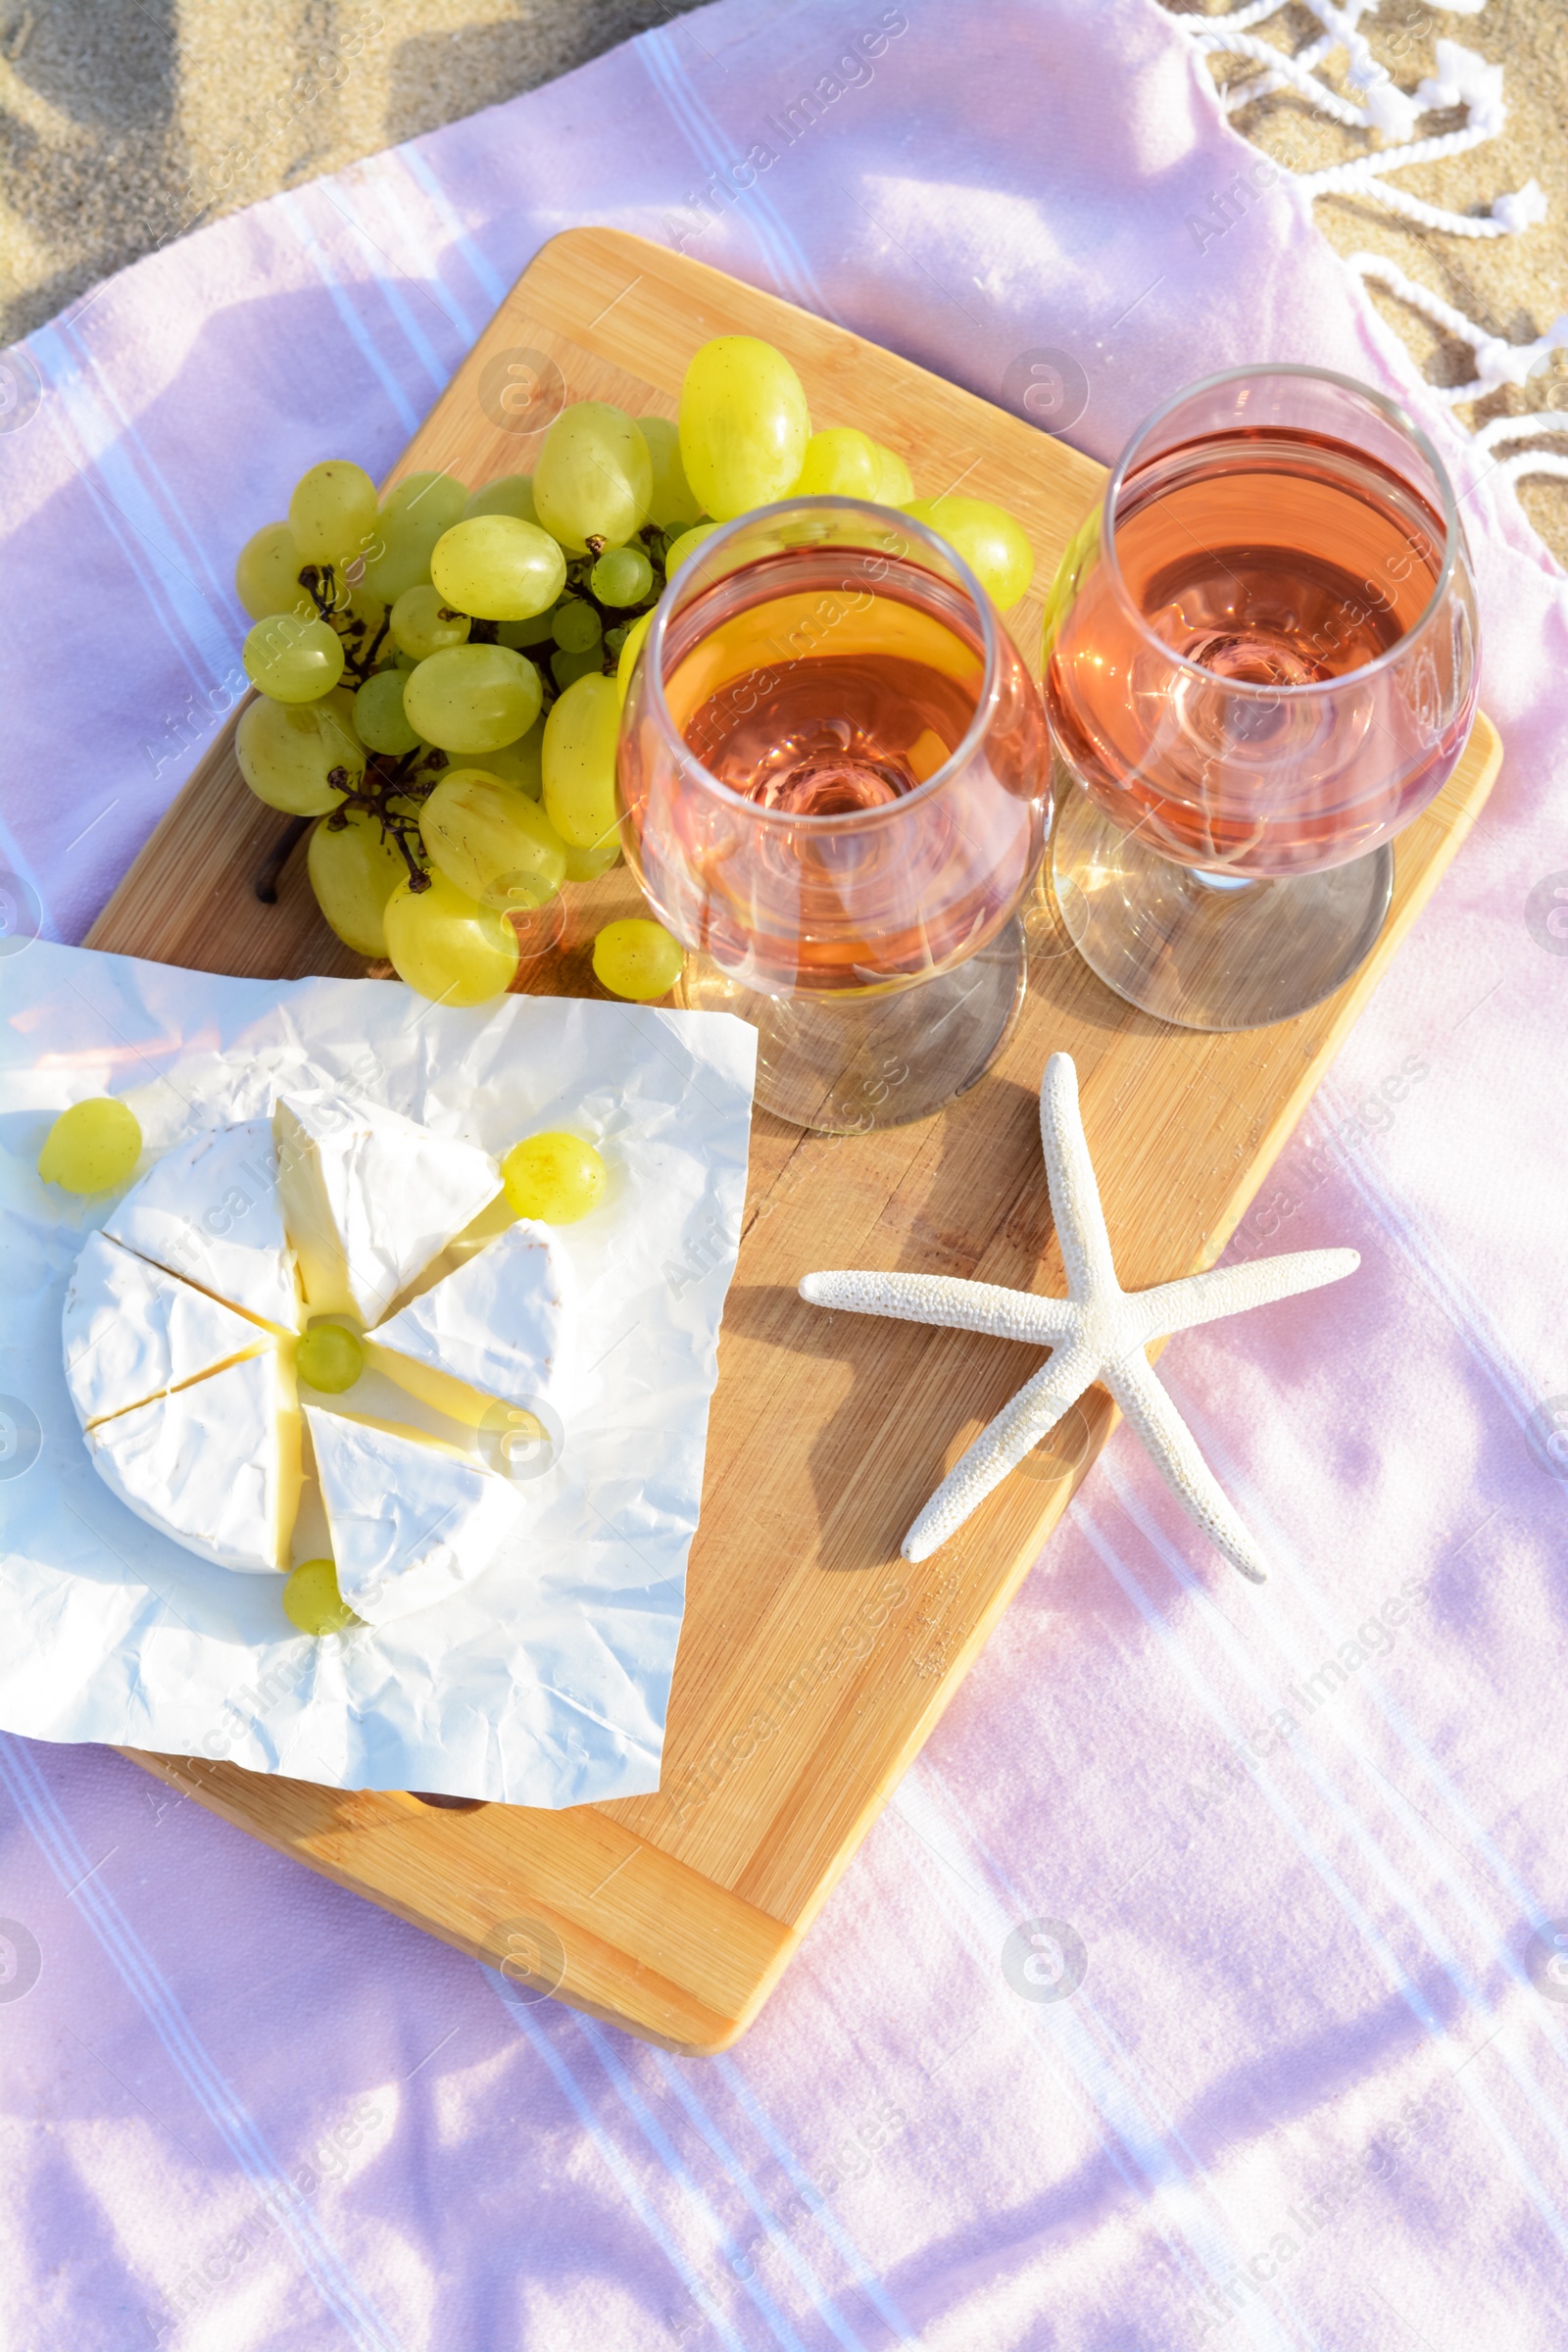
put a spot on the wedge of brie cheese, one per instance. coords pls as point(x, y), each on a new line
point(132, 1332)
point(411, 1519)
point(370, 1198)
point(216, 1465)
point(493, 1332)
point(210, 1211)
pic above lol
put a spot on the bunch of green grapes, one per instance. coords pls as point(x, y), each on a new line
point(408, 654)
point(440, 674)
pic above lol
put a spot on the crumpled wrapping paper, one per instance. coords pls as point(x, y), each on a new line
point(544, 1681)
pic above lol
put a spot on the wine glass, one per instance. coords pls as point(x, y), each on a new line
point(1261, 663)
point(834, 774)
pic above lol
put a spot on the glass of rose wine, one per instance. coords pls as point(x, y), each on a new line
point(834, 775)
point(1260, 665)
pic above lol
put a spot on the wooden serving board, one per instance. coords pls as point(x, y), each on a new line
point(813, 1661)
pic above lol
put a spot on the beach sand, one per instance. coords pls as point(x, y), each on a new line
point(124, 121)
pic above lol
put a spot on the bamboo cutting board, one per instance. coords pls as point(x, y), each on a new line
point(813, 1661)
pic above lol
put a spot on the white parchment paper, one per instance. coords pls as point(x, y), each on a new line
point(546, 1680)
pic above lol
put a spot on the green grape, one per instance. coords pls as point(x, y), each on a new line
point(333, 510)
point(744, 425)
point(581, 733)
point(91, 1148)
point(540, 630)
point(413, 519)
point(492, 841)
point(555, 1177)
point(627, 661)
point(584, 865)
point(423, 623)
point(334, 713)
point(577, 625)
point(672, 505)
point(508, 494)
point(354, 872)
point(447, 945)
point(521, 763)
point(840, 463)
point(401, 558)
point(435, 497)
point(499, 567)
point(474, 698)
point(897, 486)
point(988, 539)
point(567, 668)
point(621, 576)
point(312, 1602)
point(679, 549)
point(266, 572)
point(293, 661)
point(636, 958)
point(330, 1358)
point(378, 715)
point(594, 476)
point(287, 751)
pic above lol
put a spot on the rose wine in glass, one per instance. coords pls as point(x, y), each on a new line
point(834, 771)
point(1261, 664)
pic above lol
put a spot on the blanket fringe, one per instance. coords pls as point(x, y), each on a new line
point(1379, 106)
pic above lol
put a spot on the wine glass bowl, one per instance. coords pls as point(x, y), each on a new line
point(834, 782)
point(1261, 659)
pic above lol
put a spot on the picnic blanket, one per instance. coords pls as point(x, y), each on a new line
point(1207, 1979)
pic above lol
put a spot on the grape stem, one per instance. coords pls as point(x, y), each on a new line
point(384, 780)
point(419, 877)
point(278, 857)
point(364, 661)
point(319, 584)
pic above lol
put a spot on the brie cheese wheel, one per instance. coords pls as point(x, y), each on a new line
point(179, 1333)
point(370, 1198)
point(492, 1332)
point(411, 1519)
point(216, 1465)
point(210, 1211)
point(131, 1332)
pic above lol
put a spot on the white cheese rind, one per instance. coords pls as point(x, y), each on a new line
point(131, 1331)
point(499, 1325)
point(216, 1465)
point(411, 1521)
point(370, 1198)
point(210, 1211)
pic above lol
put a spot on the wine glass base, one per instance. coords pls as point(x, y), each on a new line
point(1215, 953)
point(849, 1064)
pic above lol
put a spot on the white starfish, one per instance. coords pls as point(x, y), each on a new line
point(1098, 1332)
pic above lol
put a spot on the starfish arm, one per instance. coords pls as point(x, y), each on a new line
point(943, 1300)
point(999, 1447)
point(1069, 1171)
point(1149, 1409)
point(1232, 1290)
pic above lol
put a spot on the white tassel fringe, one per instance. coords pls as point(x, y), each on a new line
point(1381, 107)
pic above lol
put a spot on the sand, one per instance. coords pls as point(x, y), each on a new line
point(125, 120)
point(1513, 287)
